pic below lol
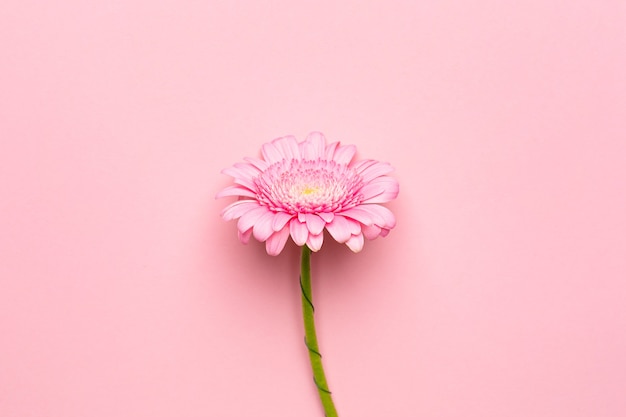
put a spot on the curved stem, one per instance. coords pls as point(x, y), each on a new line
point(310, 338)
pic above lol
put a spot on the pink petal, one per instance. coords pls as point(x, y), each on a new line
point(389, 220)
point(271, 153)
point(371, 232)
point(380, 190)
point(299, 232)
point(355, 243)
point(384, 232)
point(344, 154)
point(354, 226)
point(260, 164)
point(280, 220)
point(236, 172)
point(235, 190)
point(244, 237)
point(263, 227)
point(359, 166)
point(238, 208)
point(360, 215)
point(314, 223)
point(318, 141)
point(288, 146)
point(308, 151)
point(369, 214)
point(328, 217)
point(375, 170)
point(369, 191)
point(248, 219)
point(246, 183)
point(314, 242)
point(329, 153)
point(275, 243)
point(240, 177)
point(248, 169)
point(340, 229)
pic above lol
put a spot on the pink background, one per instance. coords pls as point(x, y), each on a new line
point(500, 293)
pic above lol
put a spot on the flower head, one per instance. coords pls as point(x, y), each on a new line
point(298, 189)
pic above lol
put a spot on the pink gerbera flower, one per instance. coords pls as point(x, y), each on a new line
point(298, 189)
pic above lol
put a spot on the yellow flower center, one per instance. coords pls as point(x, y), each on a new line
point(310, 190)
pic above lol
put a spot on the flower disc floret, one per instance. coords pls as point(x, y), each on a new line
point(304, 186)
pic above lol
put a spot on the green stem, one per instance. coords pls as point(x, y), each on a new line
point(310, 338)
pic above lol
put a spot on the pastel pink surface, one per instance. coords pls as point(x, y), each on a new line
point(499, 293)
